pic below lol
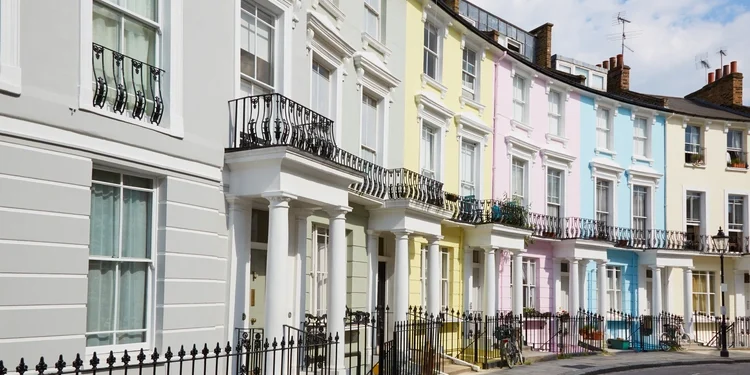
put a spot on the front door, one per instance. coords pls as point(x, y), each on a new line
point(257, 297)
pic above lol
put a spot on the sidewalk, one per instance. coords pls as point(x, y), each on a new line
point(621, 361)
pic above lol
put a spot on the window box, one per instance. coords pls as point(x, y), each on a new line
point(737, 163)
point(591, 333)
point(697, 159)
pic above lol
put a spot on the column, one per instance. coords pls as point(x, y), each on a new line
point(557, 291)
point(336, 288)
point(469, 280)
point(276, 264)
point(517, 282)
point(300, 243)
point(687, 288)
point(602, 287)
point(573, 288)
point(656, 292)
point(401, 276)
point(434, 273)
point(490, 282)
point(238, 267)
point(739, 293)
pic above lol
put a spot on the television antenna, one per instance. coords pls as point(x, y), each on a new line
point(722, 52)
point(621, 19)
point(701, 61)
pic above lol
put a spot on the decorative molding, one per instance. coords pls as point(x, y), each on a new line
point(321, 38)
point(471, 127)
point(425, 7)
point(429, 81)
point(479, 107)
point(557, 159)
point(633, 111)
point(556, 138)
point(727, 125)
point(463, 41)
point(521, 148)
point(685, 121)
point(548, 87)
point(433, 111)
point(519, 125)
point(372, 75)
point(606, 170)
point(330, 7)
point(639, 177)
point(374, 44)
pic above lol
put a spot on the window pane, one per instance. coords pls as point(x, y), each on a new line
point(104, 222)
point(100, 304)
point(597, 82)
point(371, 23)
point(136, 224)
point(144, 8)
point(321, 89)
point(106, 28)
point(140, 42)
point(132, 302)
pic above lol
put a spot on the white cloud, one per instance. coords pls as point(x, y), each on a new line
point(672, 33)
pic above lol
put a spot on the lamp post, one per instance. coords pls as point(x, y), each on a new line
point(720, 244)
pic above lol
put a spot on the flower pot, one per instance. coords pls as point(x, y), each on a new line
point(622, 243)
point(619, 344)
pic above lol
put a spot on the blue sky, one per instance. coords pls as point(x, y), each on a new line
point(671, 33)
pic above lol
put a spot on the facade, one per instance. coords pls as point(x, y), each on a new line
point(112, 216)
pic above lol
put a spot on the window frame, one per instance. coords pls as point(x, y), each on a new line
point(375, 149)
point(445, 276)
point(375, 12)
point(609, 147)
point(423, 273)
point(689, 221)
point(526, 190)
point(561, 197)
point(709, 294)
point(511, 43)
point(431, 173)
point(316, 309)
point(244, 78)
point(646, 139)
point(647, 216)
point(426, 51)
point(731, 226)
point(523, 102)
point(477, 273)
point(475, 165)
point(560, 116)
point(610, 200)
point(615, 288)
point(529, 283)
point(10, 48)
point(170, 60)
point(697, 148)
point(153, 263)
point(475, 91)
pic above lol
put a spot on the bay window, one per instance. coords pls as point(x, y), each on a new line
point(120, 269)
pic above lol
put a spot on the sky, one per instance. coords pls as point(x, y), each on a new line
point(668, 36)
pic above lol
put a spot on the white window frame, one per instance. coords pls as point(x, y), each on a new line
point(609, 148)
point(333, 94)
point(561, 204)
point(699, 145)
point(170, 16)
point(610, 172)
point(527, 85)
point(445, 277)
point(560, 116)
point(377, 123)
point(587, 73)
point(526, 172)
point(743, 203)
point(614, 288)
point(375, 12)
point(436, 54)
point(709, 295)
point(434, 114)
point(476, 75)
point(646, 139)
point(10, 47)
point(522, 149)
point(151, 291)
point(604, 81)
point(512, 43)
point(743, 146)
point(529, 283)
point(275, 66)
point(327, 47)
point(476, 166)
point(701, 195)
point(648, 210)
point(318, 275)
point(610, 201)
point(435, 154)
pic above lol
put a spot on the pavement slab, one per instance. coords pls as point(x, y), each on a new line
point(624, 361)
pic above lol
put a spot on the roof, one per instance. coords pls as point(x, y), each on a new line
point(689, 107)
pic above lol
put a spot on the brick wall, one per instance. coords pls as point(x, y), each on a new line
point(726, 90)
point(543, 46)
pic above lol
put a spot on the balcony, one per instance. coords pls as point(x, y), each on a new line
point(127, 86)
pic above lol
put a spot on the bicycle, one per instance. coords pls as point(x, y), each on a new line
point(674, 336)
point(509, 351)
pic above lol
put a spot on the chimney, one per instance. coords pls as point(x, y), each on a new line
point(598, 65)
point(543, 45)
point(605, 64)
point(618, 76)
point(724, 89)
point(453, 4)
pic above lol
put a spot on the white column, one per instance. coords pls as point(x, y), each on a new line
point(401, 276)
point(434, 270)
point(583, 295)
point(687, 288)
point(336, 287)
point(238, 267)
point(469, 279)
point(573, 288)
point(656, 292)
point(665, 292)
point(557, 291)
point(276, 265)
point(739, 293)
point(300, 243)
point(602, 287)
point(490, 282)
point(517, 282)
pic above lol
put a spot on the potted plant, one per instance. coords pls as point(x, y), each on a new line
point(622, 243)
point(590, 333)
point(619, 343)
point(530, 312)
point(451, 197)
point(737, 163)
point(549, 234)
point(564, 316)
point(696, 159)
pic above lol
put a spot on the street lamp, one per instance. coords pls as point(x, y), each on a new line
point(720, 244)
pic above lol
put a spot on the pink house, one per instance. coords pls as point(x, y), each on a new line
point(536, 133)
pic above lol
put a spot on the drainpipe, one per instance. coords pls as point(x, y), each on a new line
point(494, 125)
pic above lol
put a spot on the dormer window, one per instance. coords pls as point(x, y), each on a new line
point(515, 46)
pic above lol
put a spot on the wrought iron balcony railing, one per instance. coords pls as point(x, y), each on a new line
point(274, 120)
point(127, 86)
point(407, 184)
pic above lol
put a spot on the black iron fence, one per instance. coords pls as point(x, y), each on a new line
point(254, 356)
point(707, 330)
point(644, 333)
point(126, 85)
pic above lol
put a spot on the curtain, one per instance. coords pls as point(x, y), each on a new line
point(518, 180)
point(428, 138)
point(734, 140)
point(602, 196)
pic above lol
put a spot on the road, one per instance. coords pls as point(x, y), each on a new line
point(724, 369)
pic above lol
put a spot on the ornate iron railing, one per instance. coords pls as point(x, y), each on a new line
point(126, 85)
point(274, 120)
point(407, 184)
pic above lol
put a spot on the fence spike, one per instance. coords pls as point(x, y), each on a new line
point(21, 368)
point(59, 365)
point(181, 353)
point(111, 359)
point(194, 351)
point(125, 358)
point(168, 354)
point(205, 350)
point(41, 367)
point(155, 355)
point(141, 357)
point(217, 349)
point(94, 361)
point(77, 363)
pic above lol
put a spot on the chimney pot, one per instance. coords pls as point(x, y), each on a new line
point(733, 67)
point(598, 65)
point(605, 64)
point(612, 63)
point(718, 74)
point(726, 71)
point(620, 62)
point(710, 78)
